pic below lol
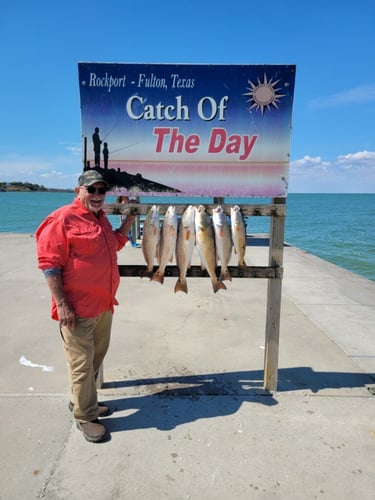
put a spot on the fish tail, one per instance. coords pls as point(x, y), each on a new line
point(218, 285)
point(157, 276)
point(181, 286)
point(225, 275)
point(147, 273)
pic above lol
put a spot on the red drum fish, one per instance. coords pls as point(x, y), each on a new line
point(205, 242)
point(167, 243)
point(184, 247)
point(238, 234)
point(223, 241)
point(151, 239)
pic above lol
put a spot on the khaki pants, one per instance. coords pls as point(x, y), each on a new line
point(85, 349)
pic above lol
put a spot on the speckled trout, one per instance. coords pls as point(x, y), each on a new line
point(205, 242)
point(184, 247)
point(238, 234)
point(167, 243)
point(223, 241)
point(151, 239)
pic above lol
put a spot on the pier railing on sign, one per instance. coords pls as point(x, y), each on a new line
point(276, 210)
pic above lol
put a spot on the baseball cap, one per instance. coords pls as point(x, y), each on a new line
point(90, 177)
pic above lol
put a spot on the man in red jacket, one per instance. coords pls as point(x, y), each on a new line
point(77, 252)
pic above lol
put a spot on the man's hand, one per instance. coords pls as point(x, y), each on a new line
point(66, 314)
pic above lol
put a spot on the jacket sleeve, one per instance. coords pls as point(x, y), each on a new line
point(121, 239)
point(52, 244)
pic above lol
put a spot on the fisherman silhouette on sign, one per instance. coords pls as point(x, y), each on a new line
point(96, 142)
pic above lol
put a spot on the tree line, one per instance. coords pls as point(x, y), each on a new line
point(25, 186)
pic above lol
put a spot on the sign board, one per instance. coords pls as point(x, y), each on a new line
point(188, 129)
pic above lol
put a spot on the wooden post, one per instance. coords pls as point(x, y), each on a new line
point(276, 249)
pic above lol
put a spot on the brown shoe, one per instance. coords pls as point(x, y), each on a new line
point(94, 431)
point(103, 411)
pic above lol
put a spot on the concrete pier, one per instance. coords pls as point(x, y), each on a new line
point(184, 377)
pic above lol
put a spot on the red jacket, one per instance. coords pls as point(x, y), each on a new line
point(85, 248)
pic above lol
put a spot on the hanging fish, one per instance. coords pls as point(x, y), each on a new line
point(184, 247)
point(223, 241)
point(238, 228)
point(151, 239)
point(167, 243)
point(205, 241)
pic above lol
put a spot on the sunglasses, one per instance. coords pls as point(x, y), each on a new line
point(93, 190)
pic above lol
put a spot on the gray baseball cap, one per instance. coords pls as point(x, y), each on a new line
point(90, 177)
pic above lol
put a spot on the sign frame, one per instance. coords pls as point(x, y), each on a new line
point(188, 129)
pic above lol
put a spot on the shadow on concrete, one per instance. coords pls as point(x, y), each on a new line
point(260, 240)
point(167, 402)
point(304, 377)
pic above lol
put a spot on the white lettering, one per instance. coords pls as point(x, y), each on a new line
point(107, 81)
point(151, 81)
point(208, 108)
point(136, 109)
point(182, 83)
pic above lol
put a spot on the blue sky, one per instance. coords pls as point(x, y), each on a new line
point(331, 42)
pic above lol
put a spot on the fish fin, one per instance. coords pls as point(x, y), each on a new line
point(158, 277)
point(225, 276)
point(180, 286)
point(187, 235)
point(218, 285)
point(147, 273)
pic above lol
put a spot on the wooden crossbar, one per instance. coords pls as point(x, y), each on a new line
point(271, 210)
point(132, 271)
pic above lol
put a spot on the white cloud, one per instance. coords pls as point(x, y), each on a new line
point(18, 165)
point(310, 162)
point(360, 158)
point(59, 172)
point(351, 173)
point(356, 95)
point(74, 148)
point(53, 173)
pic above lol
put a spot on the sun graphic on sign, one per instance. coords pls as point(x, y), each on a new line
point(264, 94)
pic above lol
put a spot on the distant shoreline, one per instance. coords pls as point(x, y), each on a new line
point(12, 187)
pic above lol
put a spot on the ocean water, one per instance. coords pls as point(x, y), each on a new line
point(336, 227)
